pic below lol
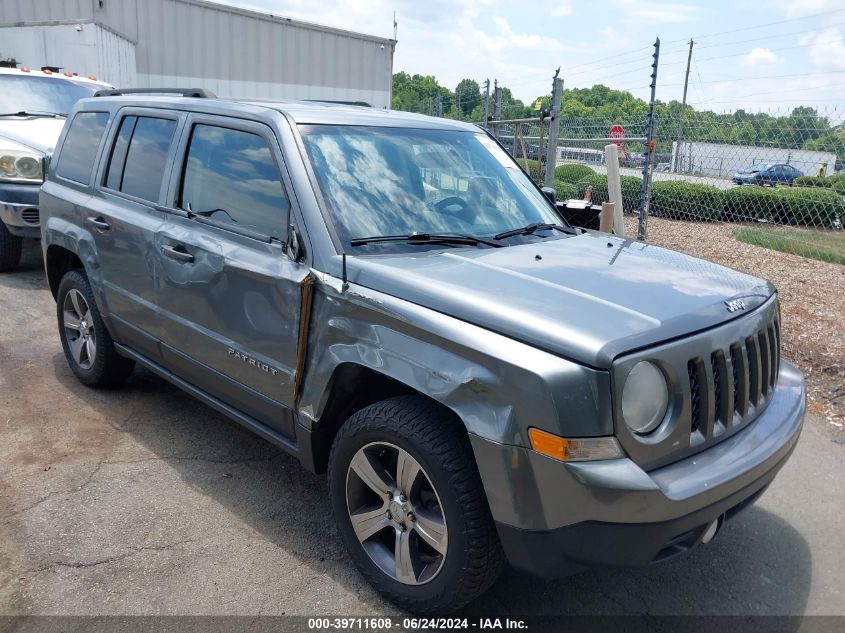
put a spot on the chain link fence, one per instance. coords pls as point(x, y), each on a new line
point(771, 177)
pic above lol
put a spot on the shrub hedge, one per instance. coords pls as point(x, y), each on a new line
point(751, 203)
point(565, 190)
point(631, 186)
point(813, 207)
point(572, 172)
point(686, 201)
point(835, 182)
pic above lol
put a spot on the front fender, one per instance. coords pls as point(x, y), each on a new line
point(497, 386)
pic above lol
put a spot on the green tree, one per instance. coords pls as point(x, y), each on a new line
point(467, 97)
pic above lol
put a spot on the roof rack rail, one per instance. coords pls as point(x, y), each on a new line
point(352, 103)
point(200, 93)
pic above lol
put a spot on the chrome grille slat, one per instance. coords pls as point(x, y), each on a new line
point(753, 370)
point(773, 355)
point(765, 362)
point(718, 364)
point(739, 357)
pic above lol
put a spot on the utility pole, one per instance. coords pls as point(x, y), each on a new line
point(677, 164)
point(486, 100)
point(497, 101)
point(554, 129)
point(439, 110)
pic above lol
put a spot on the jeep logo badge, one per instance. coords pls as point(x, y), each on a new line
point(736, 305)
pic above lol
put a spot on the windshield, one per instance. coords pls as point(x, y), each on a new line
point(21, 93)
point(395, 181)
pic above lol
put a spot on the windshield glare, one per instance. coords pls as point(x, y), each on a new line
point(40, 94)
point(395, 181)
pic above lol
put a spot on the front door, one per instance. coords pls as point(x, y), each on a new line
point(229, 296)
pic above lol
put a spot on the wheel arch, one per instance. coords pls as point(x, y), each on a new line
point(352, 387)
point(58, 260)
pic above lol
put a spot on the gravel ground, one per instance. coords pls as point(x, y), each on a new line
point(812, 295)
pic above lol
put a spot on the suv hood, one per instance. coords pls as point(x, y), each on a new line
point(37, 133)
point(588, 298)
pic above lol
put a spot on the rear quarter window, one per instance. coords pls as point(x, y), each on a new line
point(139, 156)
point(76, 157)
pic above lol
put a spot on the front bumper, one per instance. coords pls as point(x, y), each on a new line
point(554, 518)
point(19, 209)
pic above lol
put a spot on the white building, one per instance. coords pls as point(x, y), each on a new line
point(198, 44)
point(722, 159)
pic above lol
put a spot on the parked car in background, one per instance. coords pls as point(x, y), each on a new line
point(33, 107)
point(767, 174)
point(389, 298)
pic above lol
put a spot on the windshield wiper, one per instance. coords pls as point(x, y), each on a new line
point(425, 238)
point(530, 229)
point(53, 115)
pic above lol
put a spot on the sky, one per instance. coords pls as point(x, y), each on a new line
point(767, 55)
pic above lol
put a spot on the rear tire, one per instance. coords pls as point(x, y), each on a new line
point(10, 250)
point(453, 550)
point(88, 346)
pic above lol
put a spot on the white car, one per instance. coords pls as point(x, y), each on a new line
point(33, 108)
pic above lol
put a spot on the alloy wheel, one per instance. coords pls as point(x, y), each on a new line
point(396, 513)
point(78, 322)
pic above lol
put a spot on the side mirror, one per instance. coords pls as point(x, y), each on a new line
point(294, 246)
point(549, 192)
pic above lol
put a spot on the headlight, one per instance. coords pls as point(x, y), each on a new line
point(20, 166)
point(645, 398)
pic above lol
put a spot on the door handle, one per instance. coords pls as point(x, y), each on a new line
point(99, 223)
point(178, 253)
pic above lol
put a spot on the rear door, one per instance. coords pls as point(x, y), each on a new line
point(230, 296)
point(123, 217)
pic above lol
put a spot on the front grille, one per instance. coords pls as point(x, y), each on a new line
point(30, 216)
point(716, 402)
point(720, 380)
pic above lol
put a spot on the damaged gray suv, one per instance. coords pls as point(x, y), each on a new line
point(389, 298)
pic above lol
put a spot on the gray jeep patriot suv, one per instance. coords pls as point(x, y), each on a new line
point(389, 298)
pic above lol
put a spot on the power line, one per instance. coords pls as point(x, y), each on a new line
point(725, 81)
point(760, 26)
point(768, 37)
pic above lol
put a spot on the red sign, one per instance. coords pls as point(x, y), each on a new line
point(617, 131)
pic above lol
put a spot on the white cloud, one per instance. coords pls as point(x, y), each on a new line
point(562, 10)
point(826, 48)
point(795, 9)
point(760, 56)
point(660, 12)
point(524, 40)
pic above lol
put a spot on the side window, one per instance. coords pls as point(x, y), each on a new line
point(230, 176)
point(114, 176)
point(76, 159)
point(139, 155)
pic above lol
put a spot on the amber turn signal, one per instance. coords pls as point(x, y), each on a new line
point(575, 449)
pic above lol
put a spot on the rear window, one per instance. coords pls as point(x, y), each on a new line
point(76, 159)
point(138, 158)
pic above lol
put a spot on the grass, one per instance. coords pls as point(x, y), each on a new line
point(826, 246)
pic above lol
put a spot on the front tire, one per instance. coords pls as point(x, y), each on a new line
point(10, 250)
point(410, 505)
point(88, 346)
